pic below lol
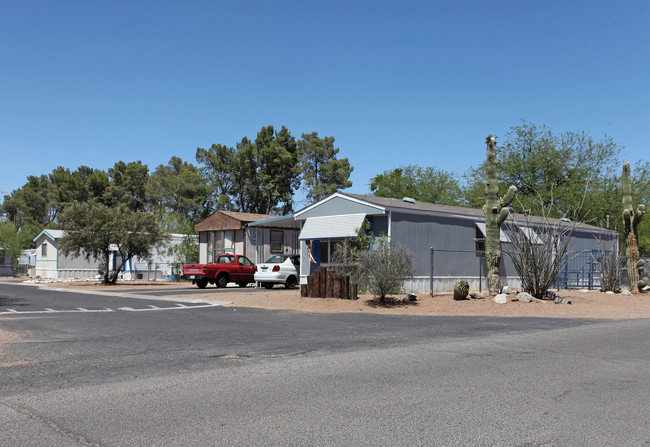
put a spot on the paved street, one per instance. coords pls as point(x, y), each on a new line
point(196, 373)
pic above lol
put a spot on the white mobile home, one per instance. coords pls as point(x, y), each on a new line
point(52, 263)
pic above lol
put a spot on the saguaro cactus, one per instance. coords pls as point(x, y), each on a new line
point(631, 220)
point(496, 212)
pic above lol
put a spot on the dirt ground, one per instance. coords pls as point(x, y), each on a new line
point(584, 304)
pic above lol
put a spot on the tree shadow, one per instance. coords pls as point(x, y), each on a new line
point(6, 301)
point(391, 302)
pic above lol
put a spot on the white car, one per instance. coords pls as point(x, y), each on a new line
point(279, 269)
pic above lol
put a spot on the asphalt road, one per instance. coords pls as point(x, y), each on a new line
point(163, 374)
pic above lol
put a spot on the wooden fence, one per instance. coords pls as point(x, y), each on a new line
point(324, 284)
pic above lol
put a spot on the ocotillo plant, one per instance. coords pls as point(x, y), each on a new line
point(496, 212)
point(631, 220)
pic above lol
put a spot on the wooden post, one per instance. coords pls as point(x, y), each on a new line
point(315, 279)
point(329, 292)
point(322, 286)
point(353, 291)
point(336, 287)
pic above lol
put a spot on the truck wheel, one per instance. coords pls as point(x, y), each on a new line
point(201, 283)
point(291, 282)
point(222, 281)
point(268, 285)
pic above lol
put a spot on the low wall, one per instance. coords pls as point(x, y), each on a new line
point(447, 283)
point(66, 273)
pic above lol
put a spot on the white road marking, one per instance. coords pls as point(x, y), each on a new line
point(178, 307)
point(51, 311)
point(198, 304)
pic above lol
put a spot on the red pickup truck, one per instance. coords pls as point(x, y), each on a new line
point(227, 268)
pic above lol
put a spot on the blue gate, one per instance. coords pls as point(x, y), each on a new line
point(580, 271)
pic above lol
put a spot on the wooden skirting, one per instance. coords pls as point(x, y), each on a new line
point(324, 284)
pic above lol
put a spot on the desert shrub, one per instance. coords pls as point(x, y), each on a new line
point(538, 251)
point(383, 269)
point(611, 265)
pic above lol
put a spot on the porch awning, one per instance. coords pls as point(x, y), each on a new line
point(331, 227)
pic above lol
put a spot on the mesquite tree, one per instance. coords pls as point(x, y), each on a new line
point(496, 212)
point(631, 221)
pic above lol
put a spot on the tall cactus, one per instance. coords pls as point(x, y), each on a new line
point(496, 212)
point(631, 220)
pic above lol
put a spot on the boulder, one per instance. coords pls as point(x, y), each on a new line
point(524, 297)
point(501, 298)
point(477, 296)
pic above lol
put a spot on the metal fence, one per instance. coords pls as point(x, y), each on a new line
point(581, 270)
point(152, 271)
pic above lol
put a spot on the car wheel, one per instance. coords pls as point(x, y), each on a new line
point(201, 283)
point(268, 285)
point(242, 284)
point(222, 281)
point(291, 282)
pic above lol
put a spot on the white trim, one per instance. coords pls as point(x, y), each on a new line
point(342, 196)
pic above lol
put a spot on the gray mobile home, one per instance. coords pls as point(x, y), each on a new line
point(447, 242)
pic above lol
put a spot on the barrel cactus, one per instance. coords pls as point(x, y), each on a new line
point(631, 220)
point(461, 290)
point(496, 212)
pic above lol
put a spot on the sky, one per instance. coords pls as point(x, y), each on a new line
point(396, 83)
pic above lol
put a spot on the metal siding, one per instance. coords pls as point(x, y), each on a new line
point(418, 233)
point(378, 224)
point(584, 240)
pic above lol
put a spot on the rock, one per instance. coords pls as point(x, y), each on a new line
point(501, 298)
point(583, 290)
point(646, 289)
point(557, 300)
point(609, 292)
point(626, 292)
point(506, 290)
point(524, 297)
point(477, 296)
point(550, 295)
point(411, 297)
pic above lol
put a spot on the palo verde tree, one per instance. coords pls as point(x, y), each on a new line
point(12, 243)
point(424, 184)
point(94, 231)
point(496, 212)
point(551, 169)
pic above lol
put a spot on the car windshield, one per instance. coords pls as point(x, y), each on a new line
point(277, 259)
